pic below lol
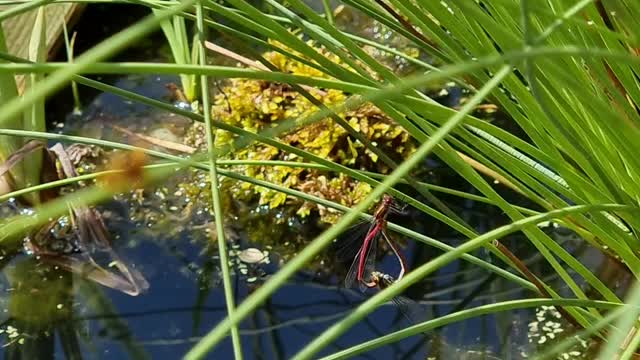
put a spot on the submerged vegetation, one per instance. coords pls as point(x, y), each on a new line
point(301, 128)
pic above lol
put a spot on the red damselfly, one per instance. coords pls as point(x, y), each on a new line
point(364, 261)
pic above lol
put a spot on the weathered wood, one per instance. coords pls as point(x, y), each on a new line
point(18, 29)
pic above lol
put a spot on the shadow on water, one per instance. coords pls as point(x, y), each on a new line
point(49, 313)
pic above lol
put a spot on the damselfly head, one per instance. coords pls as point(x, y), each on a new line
point(387, 200)
point(381, 279)
point(384, 207)
point(391, 205)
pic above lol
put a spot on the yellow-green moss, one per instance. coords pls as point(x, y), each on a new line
point(255, 105)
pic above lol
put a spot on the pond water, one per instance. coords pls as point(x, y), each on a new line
point(185, 298)
point(50, 314)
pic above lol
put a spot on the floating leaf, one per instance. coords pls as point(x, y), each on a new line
point(251, 256)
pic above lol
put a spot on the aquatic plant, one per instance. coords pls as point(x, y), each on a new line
point(177, 35)
point(256, 105)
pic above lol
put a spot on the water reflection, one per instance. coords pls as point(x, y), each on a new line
point(49, 312)
point(39, 307)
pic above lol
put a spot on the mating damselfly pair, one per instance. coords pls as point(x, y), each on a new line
point(363, 272)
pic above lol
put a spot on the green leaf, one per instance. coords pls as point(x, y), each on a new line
point(34, 116)
point(9, 91)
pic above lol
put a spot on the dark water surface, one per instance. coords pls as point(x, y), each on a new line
point(162, 321)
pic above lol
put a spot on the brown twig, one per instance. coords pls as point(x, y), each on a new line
point(250, 63)
point(155, 141)
point(487, 171)
point(235, 56)
point(534, 280)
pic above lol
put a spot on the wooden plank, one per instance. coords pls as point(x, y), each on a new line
point(18, 29)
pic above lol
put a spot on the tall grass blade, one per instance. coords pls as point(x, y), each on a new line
point(175, 30)
point(218, 213)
